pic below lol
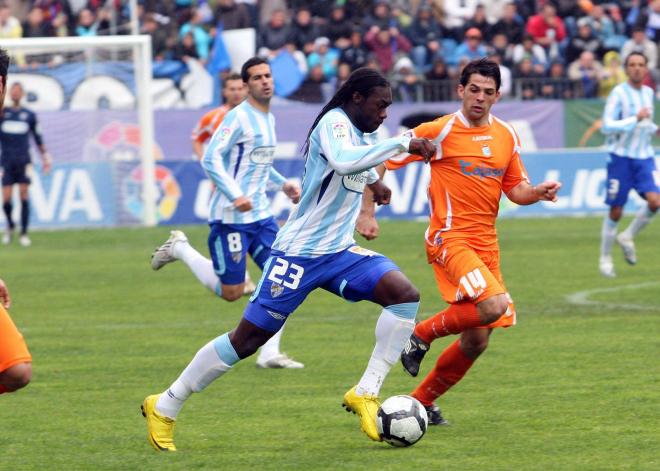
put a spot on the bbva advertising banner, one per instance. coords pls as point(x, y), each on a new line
point(92, 194)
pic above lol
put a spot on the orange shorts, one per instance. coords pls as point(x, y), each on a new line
point(464, 274)
point(13, 349)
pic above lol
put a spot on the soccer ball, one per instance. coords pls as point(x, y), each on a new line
point(401, 420)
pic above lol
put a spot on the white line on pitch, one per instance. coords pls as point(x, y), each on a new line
point(581, 298)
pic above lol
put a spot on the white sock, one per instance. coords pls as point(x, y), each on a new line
point(392, 332)
point(204, 368)
point(607, 235)
point(201, 266)
point(271, 348)
point(642, 218)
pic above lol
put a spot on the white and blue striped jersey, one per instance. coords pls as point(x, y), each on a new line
point(627, 137)
point(339, 164)
point(238, 160)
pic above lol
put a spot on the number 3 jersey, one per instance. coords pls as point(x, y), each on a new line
point(239, 161)
point(471, 168)
point(339, 164)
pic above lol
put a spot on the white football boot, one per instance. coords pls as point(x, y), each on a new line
point(628, 247)
point(165, 253)
point(606, 266)
point(24, 240)
point(279, 361)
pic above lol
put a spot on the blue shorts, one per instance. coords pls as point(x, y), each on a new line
point(286, 281)
point(624, 174)
point(229, 244)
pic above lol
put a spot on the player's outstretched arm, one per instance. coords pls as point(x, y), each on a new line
point(524, 193)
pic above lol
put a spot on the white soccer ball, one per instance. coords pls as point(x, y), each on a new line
point(402, 420)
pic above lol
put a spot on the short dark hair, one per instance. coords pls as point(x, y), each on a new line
point(232, 76)
point(4, 66)
point(251, 63)
point(483, 66)
point(635, 53)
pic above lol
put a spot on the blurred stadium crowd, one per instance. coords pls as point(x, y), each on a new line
point(547, 48)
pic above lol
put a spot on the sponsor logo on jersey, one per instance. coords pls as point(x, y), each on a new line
point(263, 155)
point(339, 130)
point(276, 290)
point(482, 138)
point(15, 127)
point(472, 170)
point(355, 182)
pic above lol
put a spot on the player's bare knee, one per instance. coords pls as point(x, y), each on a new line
point(232, 292)
point(395, 288)
point(408, 294)
point(615, 213)
point(492, 308)
point(18, 376)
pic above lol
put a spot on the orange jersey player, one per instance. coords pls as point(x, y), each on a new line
point(477, 158)
point(234, 92)
point(15, 359)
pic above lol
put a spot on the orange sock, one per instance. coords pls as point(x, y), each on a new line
point(453, 320)
point(449, 369)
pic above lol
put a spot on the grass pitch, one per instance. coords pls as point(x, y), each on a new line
point(575, 385)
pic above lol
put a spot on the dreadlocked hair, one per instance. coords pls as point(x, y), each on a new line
point(363, 81)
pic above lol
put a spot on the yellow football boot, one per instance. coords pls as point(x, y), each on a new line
point(366, 407)
point(160, 430)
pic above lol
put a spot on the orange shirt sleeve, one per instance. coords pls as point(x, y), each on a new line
point(429, 130)
point(203, 131)
point(515, 173)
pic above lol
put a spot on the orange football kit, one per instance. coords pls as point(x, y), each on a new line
point(13, 349)
point(471, 169)
point(208, 124)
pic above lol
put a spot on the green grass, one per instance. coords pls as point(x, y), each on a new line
point(572, 386)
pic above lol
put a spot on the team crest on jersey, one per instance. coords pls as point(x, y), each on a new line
point(486, 150)
point(339, 131)
point(276, 290)
point(236, 256)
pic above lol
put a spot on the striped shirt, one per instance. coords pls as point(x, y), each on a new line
point(339, 164)
point(627, 137)
point(239, 161)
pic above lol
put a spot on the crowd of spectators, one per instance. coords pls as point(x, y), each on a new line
point(545, 48)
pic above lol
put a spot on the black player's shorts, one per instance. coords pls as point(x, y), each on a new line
point(15, 173)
